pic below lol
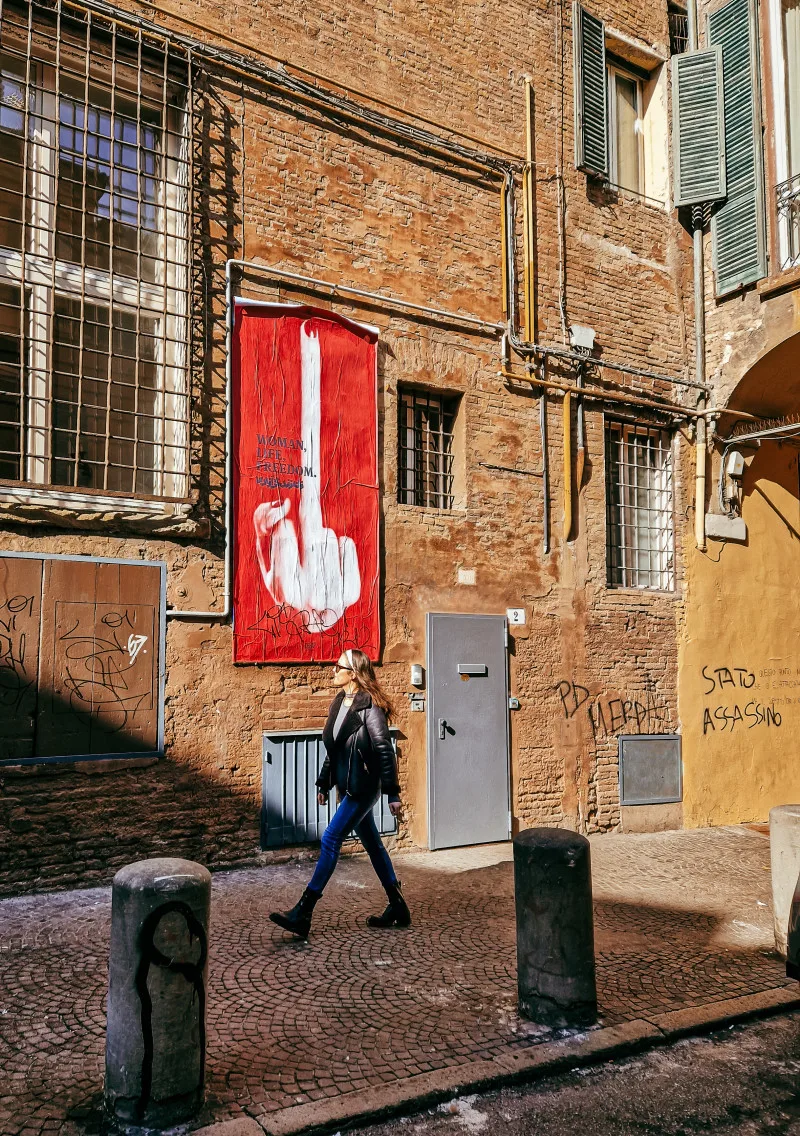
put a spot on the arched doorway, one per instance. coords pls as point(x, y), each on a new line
point(739, 651)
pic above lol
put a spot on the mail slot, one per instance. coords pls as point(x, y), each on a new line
point(473, 670)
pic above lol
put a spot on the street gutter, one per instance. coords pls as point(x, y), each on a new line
point(413, 1094)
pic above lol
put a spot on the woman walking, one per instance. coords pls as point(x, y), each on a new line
point(360, 763)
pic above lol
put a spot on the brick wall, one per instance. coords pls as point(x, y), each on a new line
point(288, 185)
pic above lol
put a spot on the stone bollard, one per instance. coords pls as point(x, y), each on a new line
point(155, 1040)
point(555, 927)
point(784, 843)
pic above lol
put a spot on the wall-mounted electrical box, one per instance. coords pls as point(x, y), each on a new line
point(581, 337)
point(734, 466)
point(417, 674)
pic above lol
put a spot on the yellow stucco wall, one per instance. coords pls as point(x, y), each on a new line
point(739, 656)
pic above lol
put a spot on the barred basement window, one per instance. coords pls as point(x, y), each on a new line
point(639, 524)
point(94, 244)
point(425, 442)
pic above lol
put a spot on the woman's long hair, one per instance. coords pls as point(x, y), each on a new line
point(365, 679)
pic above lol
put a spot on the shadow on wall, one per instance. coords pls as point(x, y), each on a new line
point(75, 823)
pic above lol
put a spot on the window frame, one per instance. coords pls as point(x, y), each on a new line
point(449, 405)
point(42, 278)
point(622, 535)
point(614, 70)
point(784, 247)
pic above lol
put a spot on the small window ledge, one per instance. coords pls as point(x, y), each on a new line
point(89, 766)
point(647, 56)
point(24, 505)
point(785, 282)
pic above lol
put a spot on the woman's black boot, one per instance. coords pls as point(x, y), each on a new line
point(396, 914)
point(298, 920)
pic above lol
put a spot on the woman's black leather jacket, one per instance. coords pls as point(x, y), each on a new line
point(361, 761)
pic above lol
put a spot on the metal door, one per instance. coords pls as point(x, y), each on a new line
point(290, 813)
point(468, 782)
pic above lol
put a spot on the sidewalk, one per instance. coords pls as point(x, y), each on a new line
point(357, 1020)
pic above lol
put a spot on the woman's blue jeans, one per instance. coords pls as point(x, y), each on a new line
point(352, 815)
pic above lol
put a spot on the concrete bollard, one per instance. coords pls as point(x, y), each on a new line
point(555, 927)
point(155, 1040)
point(784, 843)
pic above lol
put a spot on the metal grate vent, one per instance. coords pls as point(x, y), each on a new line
point(290, 813)
point(650, 769)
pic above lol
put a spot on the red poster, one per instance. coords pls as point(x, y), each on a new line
point(306, 499)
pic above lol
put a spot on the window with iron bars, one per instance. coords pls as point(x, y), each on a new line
point(94, 255)
point(425, 444)
point(639, 523)
point(678, 29)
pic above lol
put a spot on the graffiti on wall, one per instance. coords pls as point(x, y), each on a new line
point(101, 661)
point(79, 657)
point(642, 712)
point(730, 708)
point(16, 679)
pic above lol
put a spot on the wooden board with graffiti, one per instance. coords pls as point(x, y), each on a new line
point(80, 657)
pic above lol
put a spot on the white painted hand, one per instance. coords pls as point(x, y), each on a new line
point(326, 580)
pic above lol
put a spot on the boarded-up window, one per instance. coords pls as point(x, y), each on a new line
point(80, 657)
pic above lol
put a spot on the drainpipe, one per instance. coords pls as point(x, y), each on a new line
point(224, 614)
point(699, 340)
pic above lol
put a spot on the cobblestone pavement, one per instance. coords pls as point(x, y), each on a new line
point(682, 919)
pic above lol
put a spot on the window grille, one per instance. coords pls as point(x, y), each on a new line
point(95, 186)
point(639, 523)
point(678, 30)
point(426, 449)
point(787, 198)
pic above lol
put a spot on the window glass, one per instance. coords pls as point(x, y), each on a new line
point(625, 118)
point(639, 523)
point(426, 449)
point(10, 381)
point(791, 50)
point(94, 180)
point(12, 152)
point(102, 414)
point(101, 185)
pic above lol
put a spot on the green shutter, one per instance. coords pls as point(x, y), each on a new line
point(698, 138)
point(737, 228)
point(591, 125)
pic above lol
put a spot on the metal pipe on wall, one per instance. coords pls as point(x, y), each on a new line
point(224, 614)
point(545, 467)
point(567, 422)
point(595, 394)
point(699, 336)
point(313, 283)
point(529, 230)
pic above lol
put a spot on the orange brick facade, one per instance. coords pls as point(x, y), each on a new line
point(287, 184)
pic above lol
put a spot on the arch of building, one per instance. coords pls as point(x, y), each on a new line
point(739, 648)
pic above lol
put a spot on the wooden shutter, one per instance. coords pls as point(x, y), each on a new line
point(591, 115)
point(738, 227)
point(698, 135)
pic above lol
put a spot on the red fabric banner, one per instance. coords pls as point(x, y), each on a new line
point(306, 499)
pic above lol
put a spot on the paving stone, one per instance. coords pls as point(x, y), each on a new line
point(677, 923)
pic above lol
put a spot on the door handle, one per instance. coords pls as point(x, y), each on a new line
point(442, 729)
